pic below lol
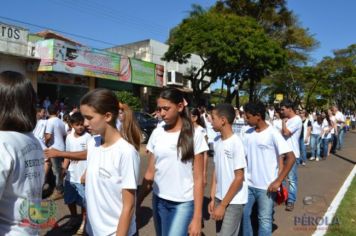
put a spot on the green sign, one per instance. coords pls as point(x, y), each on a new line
point(143, 72)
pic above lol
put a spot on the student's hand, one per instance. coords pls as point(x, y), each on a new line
point(219, 213)
point(51, 152)
point(211, 207)
point(274, 186)
point(194, 228)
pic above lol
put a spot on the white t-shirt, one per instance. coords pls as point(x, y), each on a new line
point(339, 117)
point(229, 155)
point(209, 129)
point(326, 129)
point(294, 125)
point(316, 128)
point(56, 128)
point(21, 181)
point(76, 167)
point(39, 132)
point(173, 179)
point(109, 170)
point(277, 123)
point(263, 150)
point(201, 130)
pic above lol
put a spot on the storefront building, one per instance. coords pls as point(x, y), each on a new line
point(67, 71)
point(16, 54)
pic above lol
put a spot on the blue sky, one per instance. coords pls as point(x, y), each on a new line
point(118, 22)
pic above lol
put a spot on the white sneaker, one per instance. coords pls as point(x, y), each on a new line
point(317, 159)
point(312, 159)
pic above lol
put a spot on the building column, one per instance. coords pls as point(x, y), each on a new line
point(92, 83)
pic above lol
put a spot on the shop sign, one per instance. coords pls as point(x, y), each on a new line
point(279, 97)
point(60, 56)
point(146, 73)
point(63, 79)
point(13, 39)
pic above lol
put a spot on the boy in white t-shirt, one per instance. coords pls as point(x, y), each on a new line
point(54, 138)
point(228, 188)
point(292, 126)
point(264, 146)
point(76, 164)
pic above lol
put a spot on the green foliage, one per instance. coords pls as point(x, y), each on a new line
point(332, 81)
point(279, 22)
point(129, 99)
point(227, 44)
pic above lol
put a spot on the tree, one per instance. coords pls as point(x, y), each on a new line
point(340, 77)
point(279, 23)
point(231, 47)
point(129, 99)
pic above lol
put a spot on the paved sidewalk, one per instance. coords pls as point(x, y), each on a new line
point(320, 180)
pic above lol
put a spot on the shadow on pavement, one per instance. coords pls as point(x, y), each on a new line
point(345, 158)
point(145, 214)
point(58, 231)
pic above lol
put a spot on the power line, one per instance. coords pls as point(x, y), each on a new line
point(87, 38)
point(60, 31)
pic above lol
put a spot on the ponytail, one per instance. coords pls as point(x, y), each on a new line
point(186, 137)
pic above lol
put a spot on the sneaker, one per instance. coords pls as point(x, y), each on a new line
point(303, 163)
point(312, 159)
point(290, 206)
point(317, 159)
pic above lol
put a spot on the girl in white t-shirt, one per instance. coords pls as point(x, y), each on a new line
point(112, 168)
point(199, 126)
point(175, 169)
point(21, 158)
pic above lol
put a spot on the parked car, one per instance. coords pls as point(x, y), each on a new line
point(147, 124)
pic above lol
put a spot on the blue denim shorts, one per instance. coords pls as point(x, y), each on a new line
point(74, 193)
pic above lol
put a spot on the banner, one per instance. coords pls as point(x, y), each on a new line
point(59, 56)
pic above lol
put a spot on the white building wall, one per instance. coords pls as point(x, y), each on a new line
point(153, 51)
point(12, 63)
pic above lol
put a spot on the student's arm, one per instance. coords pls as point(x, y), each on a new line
point(289, 162)
point(309, 128)
point(212, 194)
point(280, 164)
point(66, 163)
point(235, 186)
point(198, 168)
point(285, 130)
point(128, 209)
point(53, 153)
point(47, 138)
point(147, 182)
point(205, 181)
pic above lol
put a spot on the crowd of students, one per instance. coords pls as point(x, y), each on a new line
point(254, 152)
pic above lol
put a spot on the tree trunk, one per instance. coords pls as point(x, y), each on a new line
point(252, 90)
